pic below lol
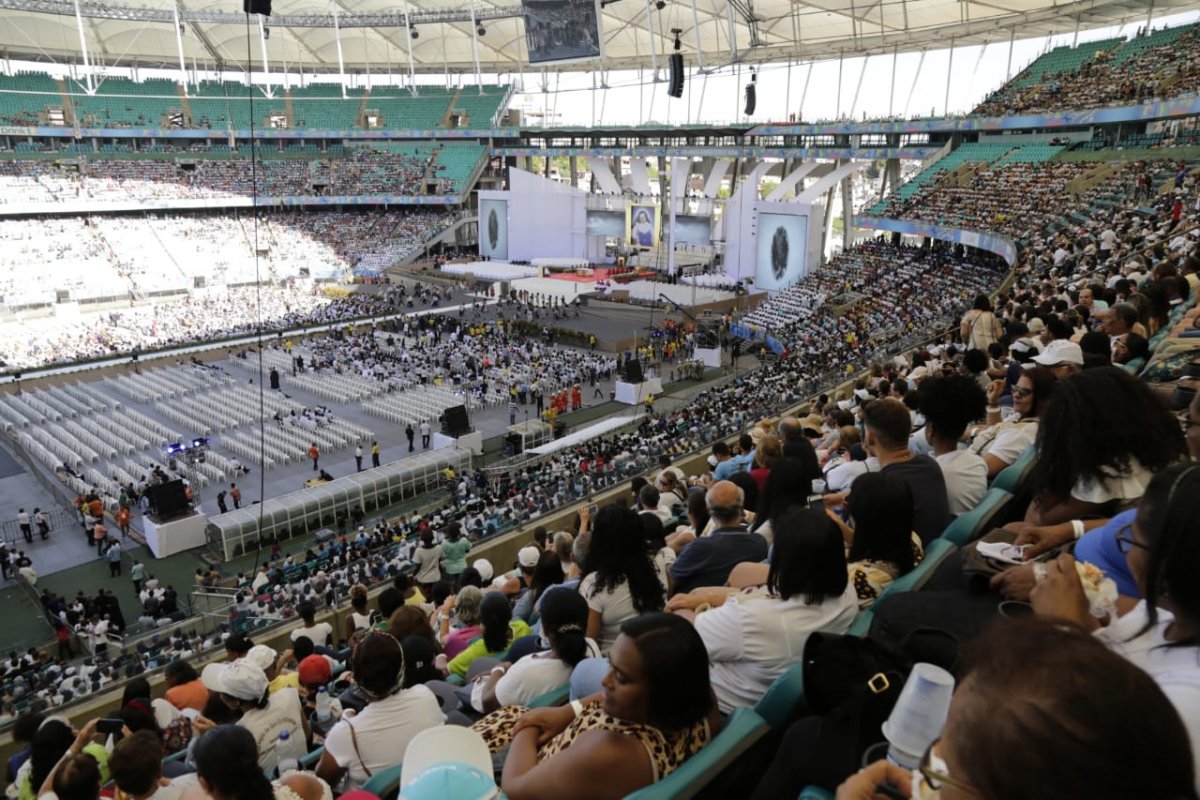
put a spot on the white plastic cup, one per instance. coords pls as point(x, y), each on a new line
point(919, 715)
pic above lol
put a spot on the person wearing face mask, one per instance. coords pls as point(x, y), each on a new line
point(1017, 729)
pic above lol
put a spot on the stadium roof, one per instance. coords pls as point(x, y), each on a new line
point(374, 35)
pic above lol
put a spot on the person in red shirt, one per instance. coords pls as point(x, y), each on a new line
point(235, 494)
point(99, 536)
point(123, 521)
point(314, 453)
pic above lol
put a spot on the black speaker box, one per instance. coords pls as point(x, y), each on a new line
point(455, 422)
point(676, 87)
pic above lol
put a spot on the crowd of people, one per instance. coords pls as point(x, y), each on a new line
point(363, 171)
point(208, 315)
point(1010, 198)
point(663, 612)
point(1126, 73)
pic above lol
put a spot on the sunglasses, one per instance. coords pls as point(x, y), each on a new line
point(1021, 391)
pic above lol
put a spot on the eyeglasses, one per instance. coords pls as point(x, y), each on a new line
point(1126, 542)
point(1021, 391)
point(934, 770)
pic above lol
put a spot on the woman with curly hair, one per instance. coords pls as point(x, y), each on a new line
point(1101, 439)
point(620, 580)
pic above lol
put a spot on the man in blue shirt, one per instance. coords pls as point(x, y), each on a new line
point(707, 561)
point(739, 462)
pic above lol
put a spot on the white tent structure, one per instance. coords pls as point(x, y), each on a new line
point(488, 35)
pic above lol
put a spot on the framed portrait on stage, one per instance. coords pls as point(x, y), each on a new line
point(643, 223)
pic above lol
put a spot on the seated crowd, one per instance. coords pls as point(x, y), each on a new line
point(365, 171)
point(1128, 73)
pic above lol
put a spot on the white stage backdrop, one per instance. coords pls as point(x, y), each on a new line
point(493, 225)
point(781, 250)
point(546, 219)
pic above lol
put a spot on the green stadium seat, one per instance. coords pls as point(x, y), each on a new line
point(385, 782)
point(554, 697)
point(976, 522)
point(743, 729)
point(781, 698)
point(1011, 477)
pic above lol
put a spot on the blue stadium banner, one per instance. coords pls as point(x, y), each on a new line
point(993, 243)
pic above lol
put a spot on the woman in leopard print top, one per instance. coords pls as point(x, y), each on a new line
point(656, 710)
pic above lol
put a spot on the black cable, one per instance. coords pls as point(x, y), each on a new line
point(262, 414)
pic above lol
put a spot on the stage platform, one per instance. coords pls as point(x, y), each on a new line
point(174, 536)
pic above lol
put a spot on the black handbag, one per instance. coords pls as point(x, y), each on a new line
point(852, 683)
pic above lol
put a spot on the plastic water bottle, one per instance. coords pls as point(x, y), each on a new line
point(324, 705)
point(287, 752)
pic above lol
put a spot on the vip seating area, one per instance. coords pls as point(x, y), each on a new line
point(38, 99)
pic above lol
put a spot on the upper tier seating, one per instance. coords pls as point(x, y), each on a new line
point(122, 103)
point(25, 96)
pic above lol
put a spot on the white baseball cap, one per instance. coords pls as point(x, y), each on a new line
point(448, 762)
point(239, 679)
point(262, 656)
point(528, 557)
point(1060, 351)
point(484, 568)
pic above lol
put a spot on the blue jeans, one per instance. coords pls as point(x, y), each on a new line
point(586, 677)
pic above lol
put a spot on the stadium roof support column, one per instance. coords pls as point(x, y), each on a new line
point(262, 40)
point(639, 176)
point(1012, 38)
point(475, 53)
point(337, 37)
point(602, 174)
point(892, 91)
point(847, 209)
point(949, 75)
point(696, 37)
point(83, 49)
point(179, 46)
point(792, 180)
point(412, 74)
point(716, 175)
